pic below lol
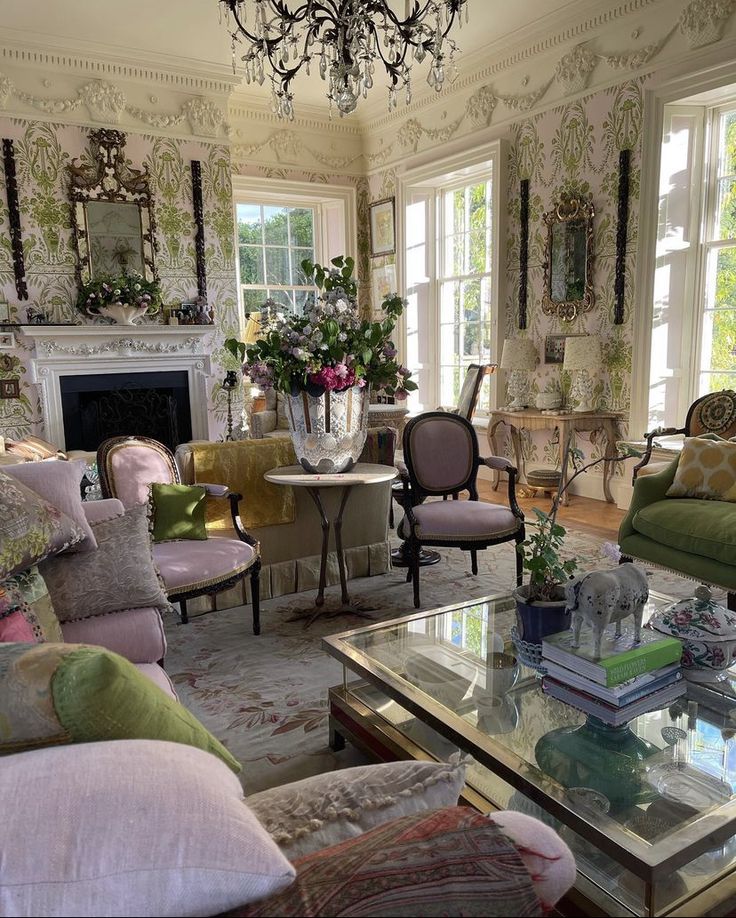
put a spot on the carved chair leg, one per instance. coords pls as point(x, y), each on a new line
point(183, 615)
point(255, 595)
point(519, 560)
point(474, 561)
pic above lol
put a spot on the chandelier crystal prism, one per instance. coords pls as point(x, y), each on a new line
point(346, 40)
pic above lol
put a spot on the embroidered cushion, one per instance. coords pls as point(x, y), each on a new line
point(30, 588)
point(326, 809)
point(178, 512)
point(133, 827)
point(59, 482)
point(706, 470)
point(30, 527)
point(119, 575)
point(445, 862)
point(17, 619)
point(71, 693)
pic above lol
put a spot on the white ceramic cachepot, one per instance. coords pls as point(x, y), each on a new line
point(329, 430)
point(123, 314)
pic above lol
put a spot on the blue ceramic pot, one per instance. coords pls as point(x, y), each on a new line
point(537, 620)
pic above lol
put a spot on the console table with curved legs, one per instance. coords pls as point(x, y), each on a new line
point(566, 423)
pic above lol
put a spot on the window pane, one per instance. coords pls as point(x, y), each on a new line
point(727, 158)
point(471, 341)
point(450, 302)
point(449, 344)
point(275, 225)
point(297, 257)
point(304, 300)
point(251, 265)
point(726, 216)
point(301, 227)
point(277, 267)
point(450, 381)
point(249, 223)
point(478, 252)
point(471, 301)
point(253, 300)
point(478, 205)
point(284, 298)
point(719, 340)
point(457, 212)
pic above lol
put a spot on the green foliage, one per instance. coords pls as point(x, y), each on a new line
point(123, 289)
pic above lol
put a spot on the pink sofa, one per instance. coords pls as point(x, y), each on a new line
point(136, 634)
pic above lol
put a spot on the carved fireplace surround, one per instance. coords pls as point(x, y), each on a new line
point(94, 349)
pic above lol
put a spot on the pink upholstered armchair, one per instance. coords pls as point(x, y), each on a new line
point(442, 460)
point(128, 466)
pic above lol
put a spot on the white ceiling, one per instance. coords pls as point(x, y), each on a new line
point(188, 33)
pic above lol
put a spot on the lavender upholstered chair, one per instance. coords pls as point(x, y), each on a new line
point(128, 466)
point(442, 459)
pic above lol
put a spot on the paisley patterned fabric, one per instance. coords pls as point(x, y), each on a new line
point(446, 862)
point(30, 528)
point(707, 470)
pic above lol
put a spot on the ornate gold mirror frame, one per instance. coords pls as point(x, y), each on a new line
point(568, 264)
point(108, 179)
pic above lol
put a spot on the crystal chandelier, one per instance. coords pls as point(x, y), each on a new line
point(346, 39)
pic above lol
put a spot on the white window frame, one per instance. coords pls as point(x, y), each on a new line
point(709, 72)
point(428, 183)
point(335, 224)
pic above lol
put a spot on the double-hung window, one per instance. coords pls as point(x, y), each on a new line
point(451, 274)
point(273, 242)
point(693, 335)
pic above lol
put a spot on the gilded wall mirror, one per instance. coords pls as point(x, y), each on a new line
point(112, 212)
point(568, 264)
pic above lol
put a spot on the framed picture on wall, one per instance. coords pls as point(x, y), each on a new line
point(384, 283)
point(4, 313)
point(383, 227)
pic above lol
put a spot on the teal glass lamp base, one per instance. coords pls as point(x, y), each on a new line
point(595, 755)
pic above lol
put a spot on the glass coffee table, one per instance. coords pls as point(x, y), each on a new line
point(648, 809)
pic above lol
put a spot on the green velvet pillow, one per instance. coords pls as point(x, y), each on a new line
point(178, 512)
point(71, 693)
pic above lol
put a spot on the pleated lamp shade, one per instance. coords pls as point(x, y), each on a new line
point(518, 354)
point(583, 353)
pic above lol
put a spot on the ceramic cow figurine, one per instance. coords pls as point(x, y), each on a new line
point(602, 597)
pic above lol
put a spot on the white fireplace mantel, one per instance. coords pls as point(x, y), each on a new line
point(74, 350)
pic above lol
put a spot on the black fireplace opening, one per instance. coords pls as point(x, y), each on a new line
point(102, 405)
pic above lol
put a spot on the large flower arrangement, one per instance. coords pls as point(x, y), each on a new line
point(329, 348)
point(122, 290)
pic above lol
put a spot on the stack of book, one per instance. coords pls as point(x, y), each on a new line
point(627, 680)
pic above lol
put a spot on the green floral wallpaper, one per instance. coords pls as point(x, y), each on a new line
point(576, 147)
point(43, 150)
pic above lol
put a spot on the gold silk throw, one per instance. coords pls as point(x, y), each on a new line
point(241, 466)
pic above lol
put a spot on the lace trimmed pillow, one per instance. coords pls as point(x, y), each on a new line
point(327, 809)
point(119, 575)
point(31, 528)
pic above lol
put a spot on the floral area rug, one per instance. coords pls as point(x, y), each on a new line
point(265, 697)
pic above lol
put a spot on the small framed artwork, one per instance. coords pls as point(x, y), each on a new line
point(9, 388)
point(7, 341)
point(554, 347)
point(384, 283)
point(4, 313)
point(383, 227)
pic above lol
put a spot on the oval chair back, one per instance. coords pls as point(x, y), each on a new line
point(128, 466)
point(441, 454)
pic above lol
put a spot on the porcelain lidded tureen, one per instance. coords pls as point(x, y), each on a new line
point(708, 634)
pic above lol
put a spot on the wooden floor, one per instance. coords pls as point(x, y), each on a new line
point(582, 513)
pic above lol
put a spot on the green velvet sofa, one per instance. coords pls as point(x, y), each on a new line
point(694, 538)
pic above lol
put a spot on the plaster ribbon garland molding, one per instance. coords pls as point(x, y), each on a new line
point(79, 350)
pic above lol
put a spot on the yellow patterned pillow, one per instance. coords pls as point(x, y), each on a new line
point(706, 470)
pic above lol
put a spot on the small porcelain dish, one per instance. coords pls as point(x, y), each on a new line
point(708, 634)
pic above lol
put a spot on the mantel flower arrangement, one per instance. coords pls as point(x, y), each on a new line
point(329, 348)
point(120, 296)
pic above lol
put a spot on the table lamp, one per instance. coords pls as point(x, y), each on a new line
point(582, 359)
point(519, 357)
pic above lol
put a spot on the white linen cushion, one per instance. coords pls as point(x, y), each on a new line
point(326, 809)
point(130, 827)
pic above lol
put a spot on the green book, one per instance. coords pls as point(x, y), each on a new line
point(621, 659)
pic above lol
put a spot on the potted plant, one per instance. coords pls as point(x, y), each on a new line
point(122, 298)
point(540, 603)
point(324, 362)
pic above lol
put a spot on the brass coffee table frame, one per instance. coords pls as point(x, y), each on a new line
point(351, 719)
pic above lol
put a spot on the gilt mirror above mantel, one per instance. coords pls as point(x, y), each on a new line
point(112, 212)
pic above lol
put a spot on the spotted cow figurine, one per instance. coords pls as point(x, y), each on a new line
point(602, 597)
